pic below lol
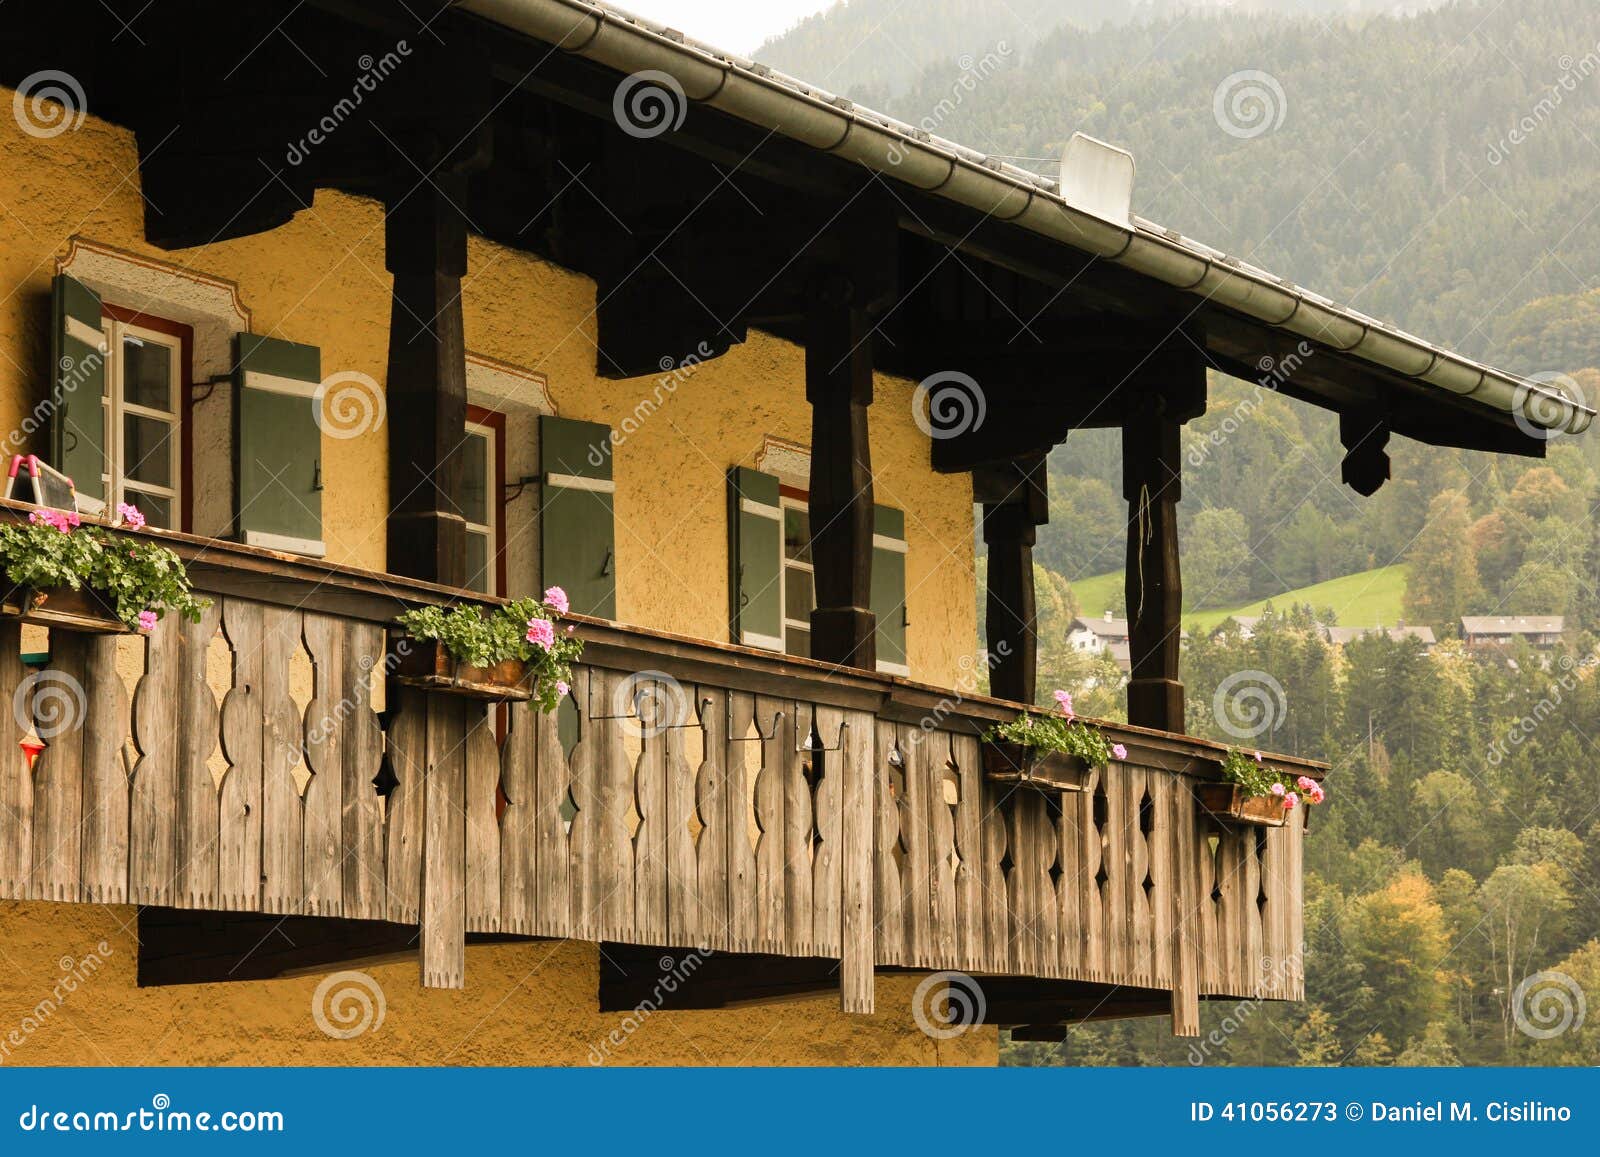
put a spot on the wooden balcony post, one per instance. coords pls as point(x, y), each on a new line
point(426, 251)
point(839, 388)
point(1015, 504)
point(1151, 482)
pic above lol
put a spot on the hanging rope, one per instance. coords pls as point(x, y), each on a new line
point(1144, 535)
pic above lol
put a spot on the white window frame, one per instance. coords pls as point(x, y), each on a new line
point(114, 408)
point(491, 477)
point(785, 564)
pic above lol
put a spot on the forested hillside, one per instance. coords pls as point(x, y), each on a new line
point(1437, 170)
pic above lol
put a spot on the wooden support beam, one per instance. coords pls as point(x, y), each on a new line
point(1152, 468)
point(1015, 503)
point(839, 388)
point(426, 250)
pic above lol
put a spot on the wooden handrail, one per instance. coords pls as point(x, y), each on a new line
point(217, 566)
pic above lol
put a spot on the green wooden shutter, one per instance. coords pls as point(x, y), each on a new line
point(755, 559)
point(577, 532)
point(78, 361)
point(277, 445)
point(889, 588)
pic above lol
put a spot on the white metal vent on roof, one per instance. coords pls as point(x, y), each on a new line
point(1097, 178)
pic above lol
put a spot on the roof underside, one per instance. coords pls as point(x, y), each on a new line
point(1250, 318)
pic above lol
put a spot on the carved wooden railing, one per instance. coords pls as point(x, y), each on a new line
point(789, 809)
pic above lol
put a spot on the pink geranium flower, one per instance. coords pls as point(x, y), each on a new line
point(557, 599)
point(541, 633)
point(1118, 751)
point(1258, 757)
point(147, 621)
point(130, 516)
point(62, 520)
point(562, 688)
point(1277, 789)
point(1064, 701)
point(1289, 801)
point(1306, 784)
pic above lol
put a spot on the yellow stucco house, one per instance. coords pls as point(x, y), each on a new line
point(510, 294)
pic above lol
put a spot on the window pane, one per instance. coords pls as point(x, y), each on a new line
point(147, 373)
point(798, 600)
point(157, 510)
point(796, 534)
point(147, 449)
point(475, 478)
point(798, 642)
point(478, 576)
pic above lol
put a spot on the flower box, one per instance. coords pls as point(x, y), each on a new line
point(80, 610)
point(1228, 803)
point(425, 663)
point(1006, 762)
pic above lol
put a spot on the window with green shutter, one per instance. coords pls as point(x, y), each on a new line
point(277, 445)
point(577, 532)
point(755, 560)
point(77, 390)
point(889, 588)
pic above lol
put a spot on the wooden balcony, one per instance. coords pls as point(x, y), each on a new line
point(791, 809)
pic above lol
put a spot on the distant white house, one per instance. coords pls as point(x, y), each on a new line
point(1498, 630)
point(1086, 634)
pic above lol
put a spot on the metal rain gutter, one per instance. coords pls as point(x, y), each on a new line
point(756, 94)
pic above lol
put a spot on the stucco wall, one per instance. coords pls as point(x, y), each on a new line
point(321, 280)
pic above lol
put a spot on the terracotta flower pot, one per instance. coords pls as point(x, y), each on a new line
point(425, 663)
point(1006, 762)
point(63, 608)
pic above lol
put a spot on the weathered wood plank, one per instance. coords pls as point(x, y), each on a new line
point(856, 918)
point(942, 784)
point(996, 885)
point(360, 759)
point(239, 798)
point(650, 840)
point(683, 886)
point(969, 852)
point(196, 866)
point(282, 752)
point(745, 748)
point(1140, 921)
point(482, 824)
point(583, 844)
point(552, 911)
point(1188, 893)
point(405, 809)
point(1092, 893)
point(519, 823)
point(57, 702)
point(444, 856)
point(798, 832)
point(614, 881)
point(105, 778)
point(776, 718)
point(324, 793)
point(827, 863)
point(16, 779)
point(915, 865)
point(889, 774)
point(711, 807)
point(153, 819)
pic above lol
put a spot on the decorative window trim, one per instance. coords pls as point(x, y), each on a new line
point(498, 386)
point(789, 461)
